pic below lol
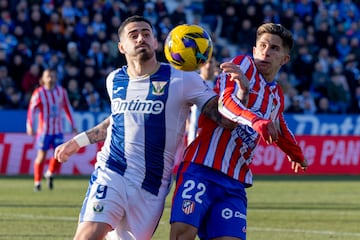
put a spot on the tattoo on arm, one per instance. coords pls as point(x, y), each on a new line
point(98, 133)
point(211, 111)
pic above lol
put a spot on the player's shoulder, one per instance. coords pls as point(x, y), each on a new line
point(241, 59)
point(175, 73)
point(117, 70)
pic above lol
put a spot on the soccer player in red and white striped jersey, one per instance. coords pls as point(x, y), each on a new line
point(210, 198)
point(47, 104)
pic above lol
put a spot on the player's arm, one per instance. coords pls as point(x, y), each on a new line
point(287, 143)
point(93, 135)
point(234, 96)
point(211, 111)
point(33, 105)
point(241, 80)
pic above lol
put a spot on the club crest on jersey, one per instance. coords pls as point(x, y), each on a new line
point(188, 207)
point(158, 87)
point(97, 207)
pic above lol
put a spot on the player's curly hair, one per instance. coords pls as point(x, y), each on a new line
point(279, 30)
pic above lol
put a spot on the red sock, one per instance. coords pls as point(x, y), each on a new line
point(54, 166)
point(38, 171)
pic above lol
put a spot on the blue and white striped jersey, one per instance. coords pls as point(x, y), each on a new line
point(148, 118)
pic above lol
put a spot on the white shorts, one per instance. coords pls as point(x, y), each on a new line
point(129, 209)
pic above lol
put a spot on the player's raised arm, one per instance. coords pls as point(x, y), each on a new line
point(93, 135)
point(241, 80)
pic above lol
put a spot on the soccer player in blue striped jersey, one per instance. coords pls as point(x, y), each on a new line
point(150, 102)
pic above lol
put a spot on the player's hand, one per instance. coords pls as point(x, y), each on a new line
point(29, 131)
point(65, 150)
point(236, 75)
point(74, 130)
point(296, 165)
point(266, 129)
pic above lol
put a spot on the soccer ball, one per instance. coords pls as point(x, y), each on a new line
point(188, 47)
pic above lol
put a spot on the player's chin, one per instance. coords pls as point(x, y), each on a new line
point(145, 55)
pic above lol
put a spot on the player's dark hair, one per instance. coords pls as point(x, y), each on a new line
point(135, 18)
point(279, 30)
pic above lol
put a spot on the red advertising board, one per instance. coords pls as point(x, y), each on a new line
point(326, 155)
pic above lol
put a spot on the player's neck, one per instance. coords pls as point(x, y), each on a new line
point(137, 70)
point(207, 76)
point(49, 86)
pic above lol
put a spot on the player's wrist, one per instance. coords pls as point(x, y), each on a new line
point(82, 139)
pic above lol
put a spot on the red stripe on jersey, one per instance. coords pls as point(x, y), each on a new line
point(50, 105)
point(235, 156)
point(243, 172)
point(221, 145)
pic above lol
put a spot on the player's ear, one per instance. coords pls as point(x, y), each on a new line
point(156, 44)
point(286, 59)
point(121, 48)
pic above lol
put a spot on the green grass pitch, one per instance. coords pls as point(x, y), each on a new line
point(279, 208)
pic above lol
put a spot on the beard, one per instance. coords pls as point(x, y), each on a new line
point(145, 54)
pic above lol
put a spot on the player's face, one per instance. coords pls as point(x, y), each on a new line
point(48, 78)
point(269, 55)
point(137, 40)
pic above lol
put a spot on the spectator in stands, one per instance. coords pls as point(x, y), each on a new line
point(149, 13)
point(161, 8)
point(306, 61)
point(37, 19)
point(14, 99)
point(308, 102)
point(76, 97)
point(323, 106)
point(92, 97)
point(295, 105)
point(80, 9)
point(356, 106)
point(73, 56)
point(30, 81)
point(230, 23)
point(320, 80)
point(22, 20)
point(178, 16)
point(338, 90)
point(5, 80)
point(68, 12)
point(8, 41)
point(17, 69)
point(81, 27)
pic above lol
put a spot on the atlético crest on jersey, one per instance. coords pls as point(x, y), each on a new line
point(158, 87)
point(188, 207)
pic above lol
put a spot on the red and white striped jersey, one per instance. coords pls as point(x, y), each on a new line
point(231, 151)
point(50, 105)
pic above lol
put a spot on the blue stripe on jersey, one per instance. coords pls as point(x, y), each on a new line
point(155, 131)
point(117, 161)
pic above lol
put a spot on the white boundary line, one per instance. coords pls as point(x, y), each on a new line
point(338, 212)
point(38, 217)
point(315, 232)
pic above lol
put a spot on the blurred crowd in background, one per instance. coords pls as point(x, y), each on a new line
point(79, 38)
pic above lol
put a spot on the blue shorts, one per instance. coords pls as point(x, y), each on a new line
point(210, 201)
point(45, 141)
